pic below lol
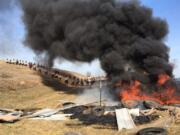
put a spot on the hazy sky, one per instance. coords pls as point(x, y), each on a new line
point(12, 34)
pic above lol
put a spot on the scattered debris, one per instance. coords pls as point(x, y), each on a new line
point(68, 104)
point(54, 117)
point(151, 104)
point(124, 119)
point(175, 112)
point(134, 112)
point(152, 131)
point(175, 105)
point(44, 113)
point(148, 112)
point(131, 104)
point(98, 111)
point(177, 117)
point(10, 117)
point(145, 119)
point(91, 113)
point(6, 110)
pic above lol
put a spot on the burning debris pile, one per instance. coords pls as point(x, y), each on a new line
point(91, 113)
point(166, 96)
point(124, 36)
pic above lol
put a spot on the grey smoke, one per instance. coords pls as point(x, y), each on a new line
point(93, 96)
point(117, 33)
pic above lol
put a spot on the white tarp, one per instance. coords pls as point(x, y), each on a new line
point(54, 117)
point(124, 119)
point(44, 112)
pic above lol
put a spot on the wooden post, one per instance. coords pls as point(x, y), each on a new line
point(100, 87)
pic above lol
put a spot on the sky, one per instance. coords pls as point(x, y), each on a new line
point(170, 11)
point(12, 35)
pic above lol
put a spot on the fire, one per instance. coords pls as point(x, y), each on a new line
point(134, 92)
point(162, 78)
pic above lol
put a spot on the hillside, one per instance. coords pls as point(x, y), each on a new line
point(22, 88)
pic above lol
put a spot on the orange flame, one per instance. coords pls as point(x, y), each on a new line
point(134, 92)
point(162, 78)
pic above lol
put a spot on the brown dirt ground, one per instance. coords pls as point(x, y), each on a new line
point(22, 88)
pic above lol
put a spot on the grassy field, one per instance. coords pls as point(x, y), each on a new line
point(22, 88)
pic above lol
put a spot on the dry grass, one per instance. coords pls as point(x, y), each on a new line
point(22, 88)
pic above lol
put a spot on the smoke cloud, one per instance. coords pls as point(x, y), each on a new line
point(124, 36)
point(93, 95)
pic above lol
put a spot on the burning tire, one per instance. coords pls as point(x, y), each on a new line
point(152, 131)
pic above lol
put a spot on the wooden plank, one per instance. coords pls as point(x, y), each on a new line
point(124, 119)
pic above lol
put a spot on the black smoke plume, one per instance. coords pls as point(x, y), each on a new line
point(124, 36)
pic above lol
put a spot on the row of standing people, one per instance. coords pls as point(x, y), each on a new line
point(68, 79)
